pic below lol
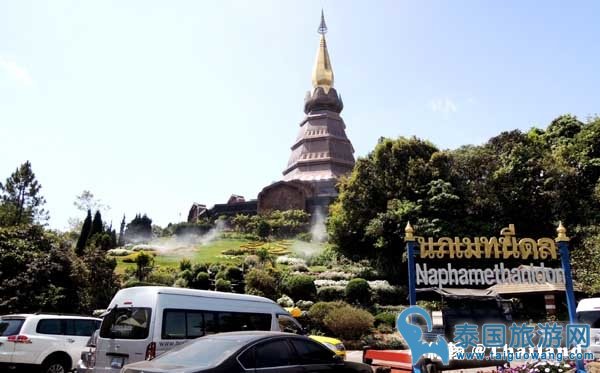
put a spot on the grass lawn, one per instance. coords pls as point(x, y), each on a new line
point(211, 253)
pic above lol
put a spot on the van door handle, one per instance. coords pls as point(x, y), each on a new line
point(70, 340)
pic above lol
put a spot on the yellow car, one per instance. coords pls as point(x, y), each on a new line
point(333, 344)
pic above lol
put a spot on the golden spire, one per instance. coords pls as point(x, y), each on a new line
point(562, 233)
point(322, 73)
point(409, 233)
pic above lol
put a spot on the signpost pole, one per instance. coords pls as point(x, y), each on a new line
point(409, 238)
point(563, 246)
point(410, 252)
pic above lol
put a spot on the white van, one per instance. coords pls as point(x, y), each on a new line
point(588, 312)
point(143, 322)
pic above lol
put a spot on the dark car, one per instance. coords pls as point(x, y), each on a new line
point(249, 351)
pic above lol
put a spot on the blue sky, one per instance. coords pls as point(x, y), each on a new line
point(153, 105)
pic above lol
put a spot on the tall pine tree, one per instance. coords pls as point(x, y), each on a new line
point(84, 235)
point(97, 226)
point(20, 199)
point(121, 241)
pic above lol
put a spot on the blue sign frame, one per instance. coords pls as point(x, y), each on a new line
point(562, 242)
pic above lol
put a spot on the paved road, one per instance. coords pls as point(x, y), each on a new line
point(357, 356)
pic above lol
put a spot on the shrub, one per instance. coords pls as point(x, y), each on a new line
point(251, 261)
point(184, 264)
point(213, 269)
point(290, 260)
point(304, 305)
point(163, 276)
point(330, 293)
point(119, 252)
point(181, 283)
point(389, 295)
point(200, 267)
point(386, 318)
point(285, 301)
point(299, 268)
point(300, 287)
point(133, 283)
point(259, 282)
point(263, 230)
point(335, 275)
point(144, 264)
point(430, 305)
point(358, 291)
point(349, 322)
point(326, 257)
point(320, 310)
point(323, 283)
point(304, 236)
point(186, 229)
point(187, 275)
point(201, 281)
point(223, 285)
point(232, 274)
point(234, 252)
point(367, 273)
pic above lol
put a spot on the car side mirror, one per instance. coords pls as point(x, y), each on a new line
point(304, 331)
point(337, 359)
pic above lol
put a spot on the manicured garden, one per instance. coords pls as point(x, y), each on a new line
point(336, 296)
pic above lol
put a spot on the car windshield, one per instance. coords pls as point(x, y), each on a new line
point(10, 326)
point(202, 352)
point(592, 318)
point(126, 323)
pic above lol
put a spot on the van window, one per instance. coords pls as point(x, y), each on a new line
point(289, 325)
point(81, 328)
point(50, 326)
point(592, 318)
point(188, 324)
point(10, 326)
point(126, 323)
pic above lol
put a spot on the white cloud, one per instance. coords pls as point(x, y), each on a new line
point(18, 73)
point(445, 106)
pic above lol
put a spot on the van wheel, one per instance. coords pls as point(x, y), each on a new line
point(54, 366)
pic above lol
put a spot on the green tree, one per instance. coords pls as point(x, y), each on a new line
point(84, 235)
point(260, 282)
point(263, 229)
point(87, 201)
point(531, 179)
point(39, 272)
point(400, 180)
point(97, 225)
point(21, 202)
point(121, 240)
point(144, 264)
point(139, 229)
point(101, 280)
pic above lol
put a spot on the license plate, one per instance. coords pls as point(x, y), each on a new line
point(117, 362)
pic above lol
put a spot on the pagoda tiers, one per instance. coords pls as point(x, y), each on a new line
point(321, 153)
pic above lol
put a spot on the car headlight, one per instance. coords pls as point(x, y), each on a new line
point(330, 346)
point(335, 347)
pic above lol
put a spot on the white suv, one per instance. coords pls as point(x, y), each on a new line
point(51, 342)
